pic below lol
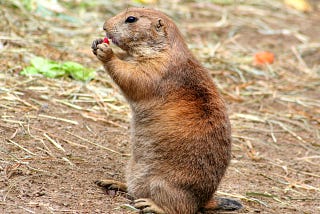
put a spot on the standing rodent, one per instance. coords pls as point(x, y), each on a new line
point(181, 136)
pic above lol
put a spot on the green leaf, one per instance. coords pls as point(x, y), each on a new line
point(77, 71)
point(47, 67)
point(52, 69)
point(29, 71)
point(39, 62)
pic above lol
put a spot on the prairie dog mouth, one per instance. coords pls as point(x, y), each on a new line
point(112, 38)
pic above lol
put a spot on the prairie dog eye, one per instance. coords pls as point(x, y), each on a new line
point(131, 19)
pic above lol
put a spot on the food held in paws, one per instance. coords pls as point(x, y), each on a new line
point(106, 40)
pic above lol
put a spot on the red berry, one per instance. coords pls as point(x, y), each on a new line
point(106, 40)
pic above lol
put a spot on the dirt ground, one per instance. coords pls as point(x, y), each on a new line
point(60, 135)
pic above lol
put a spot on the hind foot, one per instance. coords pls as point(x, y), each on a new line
point(226, 204)
point(146, 205)
point(112, 185)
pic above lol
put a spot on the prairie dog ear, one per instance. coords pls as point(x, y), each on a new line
point(159, 25)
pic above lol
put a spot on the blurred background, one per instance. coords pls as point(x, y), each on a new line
point(64, 123)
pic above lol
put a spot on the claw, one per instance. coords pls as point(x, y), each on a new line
point(112, 185)
point(94, 45)
point(146, 205)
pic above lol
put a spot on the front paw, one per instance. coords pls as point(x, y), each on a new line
point(95, 44)
point(104, 52)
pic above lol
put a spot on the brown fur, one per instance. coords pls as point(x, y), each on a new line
point(181, 137)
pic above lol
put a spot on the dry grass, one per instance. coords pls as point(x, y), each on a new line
point(274, 109)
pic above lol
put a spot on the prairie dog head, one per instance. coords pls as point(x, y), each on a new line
point(142, 32)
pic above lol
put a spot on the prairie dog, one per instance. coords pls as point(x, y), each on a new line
point(181, 135)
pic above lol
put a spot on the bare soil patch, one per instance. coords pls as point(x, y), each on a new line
point(60, 135)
